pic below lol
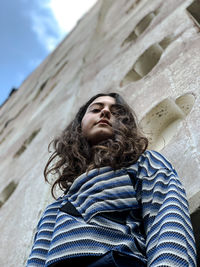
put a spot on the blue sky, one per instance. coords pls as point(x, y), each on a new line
point(30, 30)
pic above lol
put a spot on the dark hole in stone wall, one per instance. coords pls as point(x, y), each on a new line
point(26, 143)
point(194, 11)
point(7, 192)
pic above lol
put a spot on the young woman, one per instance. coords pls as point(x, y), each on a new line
point(123, 205)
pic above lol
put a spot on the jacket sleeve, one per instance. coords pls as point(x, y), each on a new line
point(33, 259)
point(43, 235)
point(169, 235)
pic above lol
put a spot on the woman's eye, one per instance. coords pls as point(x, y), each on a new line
point(95, 110)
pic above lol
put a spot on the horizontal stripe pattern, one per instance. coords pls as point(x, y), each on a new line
point(102, 192)
point(157, 226)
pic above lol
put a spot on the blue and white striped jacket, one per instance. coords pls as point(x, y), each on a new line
point(140, 211)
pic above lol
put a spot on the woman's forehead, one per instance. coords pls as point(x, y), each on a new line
point(106, 100)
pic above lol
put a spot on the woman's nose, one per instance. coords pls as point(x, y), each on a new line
point(105, 113)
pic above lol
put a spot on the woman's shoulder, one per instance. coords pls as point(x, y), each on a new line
point(156, 158)
point(150, 162)
point(52, 208)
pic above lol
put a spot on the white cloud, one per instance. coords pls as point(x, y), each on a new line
point(46, 29)
point(68, 12)
point(60, 17)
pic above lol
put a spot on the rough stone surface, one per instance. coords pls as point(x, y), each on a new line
point(95, 57)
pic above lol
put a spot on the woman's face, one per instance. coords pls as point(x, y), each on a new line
point(98, 120)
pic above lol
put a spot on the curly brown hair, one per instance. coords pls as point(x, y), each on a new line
point(73, 155)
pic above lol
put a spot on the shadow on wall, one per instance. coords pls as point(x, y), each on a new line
point(141, 27)
point(151, 56)
point(161, 123)
point(194, 11)
point(12, 119)
point(26, 143)
point(7, 192)
point(10, 188)
point(145, 63)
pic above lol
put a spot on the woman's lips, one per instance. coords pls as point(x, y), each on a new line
point(104, 122)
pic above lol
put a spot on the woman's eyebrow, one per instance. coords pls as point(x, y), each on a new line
point(102, 104)
point(97, 103)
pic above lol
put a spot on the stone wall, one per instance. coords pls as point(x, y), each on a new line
point(146, 50)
